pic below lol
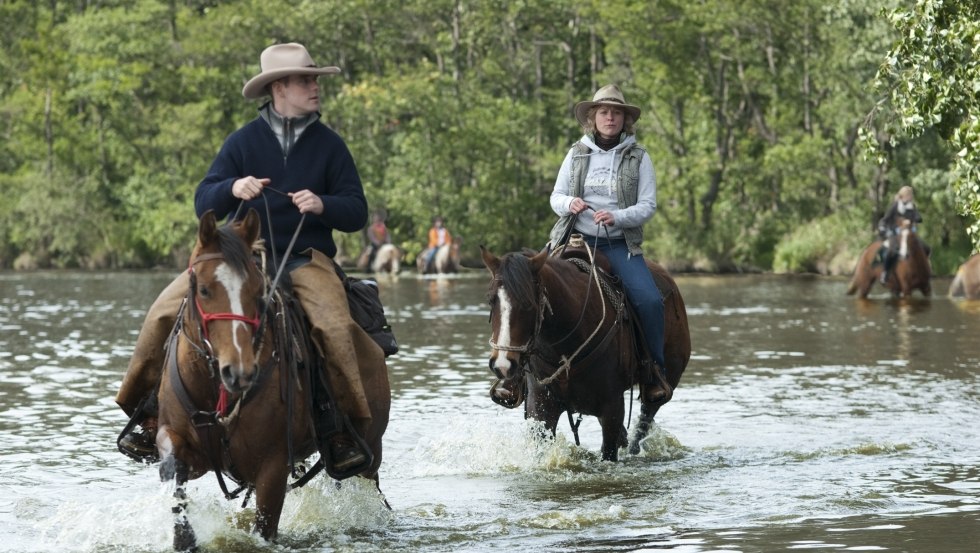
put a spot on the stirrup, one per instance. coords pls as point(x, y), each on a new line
point(139, 445)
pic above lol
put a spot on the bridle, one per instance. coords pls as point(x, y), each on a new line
point(528, 348)
point(204, 317)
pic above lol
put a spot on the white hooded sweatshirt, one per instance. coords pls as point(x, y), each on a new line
point(601, 190)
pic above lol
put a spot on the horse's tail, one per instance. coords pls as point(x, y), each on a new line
point(854, 285)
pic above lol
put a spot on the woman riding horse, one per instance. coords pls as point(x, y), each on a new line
point(606, 190)
point(563, 339)
point(890, 225)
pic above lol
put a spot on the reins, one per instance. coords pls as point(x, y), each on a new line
point(565, 364)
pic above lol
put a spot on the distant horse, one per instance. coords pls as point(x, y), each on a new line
point(966, 283)
point(561, 330)
point(234, 397)
point(912, 270)
point(446, 259)
point(388, 259)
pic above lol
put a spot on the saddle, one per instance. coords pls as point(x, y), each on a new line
point(577, 252)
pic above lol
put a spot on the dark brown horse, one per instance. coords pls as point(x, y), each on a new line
point(912, 270)
point(233, 399)
point(966, 283)
point(559, 330)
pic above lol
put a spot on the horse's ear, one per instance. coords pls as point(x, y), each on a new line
point(250, 227)
point(491, 261)
point(539, 260)
point(207, 228)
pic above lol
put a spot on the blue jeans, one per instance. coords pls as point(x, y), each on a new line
point(641, 291)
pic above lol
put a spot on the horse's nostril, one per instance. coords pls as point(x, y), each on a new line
point(494, 369)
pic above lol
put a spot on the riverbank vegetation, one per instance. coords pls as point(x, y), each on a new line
point(758, 115)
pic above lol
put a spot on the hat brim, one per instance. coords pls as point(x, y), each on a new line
point(255, 87)
point(582, 110)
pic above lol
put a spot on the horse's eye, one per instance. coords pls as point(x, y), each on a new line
point(204, 292)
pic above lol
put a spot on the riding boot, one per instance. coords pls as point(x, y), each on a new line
point(341, 447)
point(654, 390)
point(887, 267)
point(344, 451)
point(138, 438)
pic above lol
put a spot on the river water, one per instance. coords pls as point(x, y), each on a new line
point(806, 419)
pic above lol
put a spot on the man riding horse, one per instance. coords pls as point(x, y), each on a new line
point(315, 189)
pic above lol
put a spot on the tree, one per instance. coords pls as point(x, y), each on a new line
point(932, 80)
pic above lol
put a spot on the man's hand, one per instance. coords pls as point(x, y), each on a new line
point(247, 188)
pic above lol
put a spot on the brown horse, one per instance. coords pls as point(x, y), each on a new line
point(912, 270)
point(388, 260)
point(446, 259)
point(562, 332)
point(966, 283)
point(234, 397)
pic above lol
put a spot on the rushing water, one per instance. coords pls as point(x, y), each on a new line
point(806, 420)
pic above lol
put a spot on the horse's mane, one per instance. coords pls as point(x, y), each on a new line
point(517, 278)
point(236, 253)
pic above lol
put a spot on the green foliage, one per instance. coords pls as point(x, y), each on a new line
point(932, 78)
point(111, 112)
point(830, 245)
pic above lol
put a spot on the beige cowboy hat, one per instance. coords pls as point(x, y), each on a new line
point(609, 95)
point(281, 60)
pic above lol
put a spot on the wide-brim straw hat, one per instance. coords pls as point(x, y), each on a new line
point(609, 95)
point(281, 60)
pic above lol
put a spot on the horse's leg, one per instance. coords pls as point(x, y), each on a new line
point(270, 493)
point(643, 423)
point(612, 423)
point(543, 405)
point(174, 469)
point(868, 283)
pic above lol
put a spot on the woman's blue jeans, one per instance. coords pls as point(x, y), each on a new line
point(641, 291)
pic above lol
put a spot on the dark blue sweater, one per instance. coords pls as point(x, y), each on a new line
point(319, 161)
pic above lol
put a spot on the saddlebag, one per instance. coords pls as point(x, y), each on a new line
point(367, 311)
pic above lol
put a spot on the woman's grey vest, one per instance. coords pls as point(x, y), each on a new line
point(627, 191)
